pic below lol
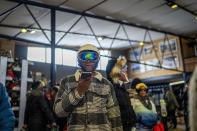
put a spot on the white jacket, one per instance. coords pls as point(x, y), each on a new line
point(193, 101)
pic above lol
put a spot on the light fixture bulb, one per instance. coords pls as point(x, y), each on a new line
point(23, 30)
point(100, 38)
point(32, 32)
point(174, 6)
point(141, 43)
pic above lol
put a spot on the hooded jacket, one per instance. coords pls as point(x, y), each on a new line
point(37, 112)
point(7, 119)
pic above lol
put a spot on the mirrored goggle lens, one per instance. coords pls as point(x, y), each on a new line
point(89, 56)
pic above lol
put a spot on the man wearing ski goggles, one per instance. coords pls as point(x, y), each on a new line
point(86, 97)
point(88, 60)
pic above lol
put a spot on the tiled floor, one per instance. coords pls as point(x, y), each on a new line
point(179, 128)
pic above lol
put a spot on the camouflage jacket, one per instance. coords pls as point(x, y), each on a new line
point(96, 110)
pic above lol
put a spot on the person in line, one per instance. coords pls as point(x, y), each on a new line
point(61, 122)
point(146, 115)
point(37, 111)
point(119, 78)
point(172, 105)
point(132, 91)
point(7, 118)
point(193, 101)
point(89, 101)
point(185, 104)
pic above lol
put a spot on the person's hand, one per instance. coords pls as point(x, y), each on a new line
point(83, 85)
point(123, 77)
point(25, 126)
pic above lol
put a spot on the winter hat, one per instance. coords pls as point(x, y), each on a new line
point(119, 65)
point(138, 86)
point(88, 47)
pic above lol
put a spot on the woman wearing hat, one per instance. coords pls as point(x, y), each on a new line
point(145, 110)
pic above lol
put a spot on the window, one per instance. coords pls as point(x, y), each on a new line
point(36, 54)
point(48, 55)
point(58, 56)
point(63, 56)
point(69, 57)
point(103, 60)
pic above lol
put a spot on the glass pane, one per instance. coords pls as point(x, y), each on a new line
point(69, 57)
point(36, 54)
point(48, 55)
point(58, 56)
point(103, 60)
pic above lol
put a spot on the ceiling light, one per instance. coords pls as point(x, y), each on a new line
point(100, 38)
point(23, 30)
point(32, 32)
point(141, 43)
point(174, 6)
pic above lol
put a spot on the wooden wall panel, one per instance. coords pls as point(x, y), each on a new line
point(7, 45)
point(187, 51)
point(190, 64)
point(159, 72)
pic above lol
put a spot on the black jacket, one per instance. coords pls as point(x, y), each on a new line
point(127, 113)
point(37, 112)
point(185, 101)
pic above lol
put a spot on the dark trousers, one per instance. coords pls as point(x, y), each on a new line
point(186, 119)
point(172, 117)
point(127, 128)
point(164, 120)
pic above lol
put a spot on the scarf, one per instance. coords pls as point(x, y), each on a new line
point(145, 101)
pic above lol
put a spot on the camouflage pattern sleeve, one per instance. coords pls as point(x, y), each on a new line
point(66, 99)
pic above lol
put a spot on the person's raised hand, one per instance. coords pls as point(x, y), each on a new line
point(83, 84)
point(123, 77)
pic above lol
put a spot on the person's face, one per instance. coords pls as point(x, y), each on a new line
point(88, 65)
point(142, 91)
point(89, 60)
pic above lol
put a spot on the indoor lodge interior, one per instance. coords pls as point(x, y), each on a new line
point(40, 39)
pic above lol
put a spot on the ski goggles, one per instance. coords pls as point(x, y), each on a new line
point(92, 56)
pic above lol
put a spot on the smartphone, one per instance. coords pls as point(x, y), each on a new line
point(86, 75)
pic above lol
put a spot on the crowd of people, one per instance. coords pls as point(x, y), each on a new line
point(87, 101)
